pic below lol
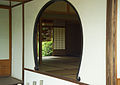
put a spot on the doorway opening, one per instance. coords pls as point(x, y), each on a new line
point(45, 38)
point(59, 40)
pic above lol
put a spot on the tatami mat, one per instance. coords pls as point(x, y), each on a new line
point(61, 65)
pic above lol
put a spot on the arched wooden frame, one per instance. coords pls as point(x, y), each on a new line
point(35, 33)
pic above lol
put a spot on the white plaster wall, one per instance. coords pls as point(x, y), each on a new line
point(4, 34)
point(118, 41)
point(47, 80)
point(93, 16)
point(17, 42)
point(31, 10)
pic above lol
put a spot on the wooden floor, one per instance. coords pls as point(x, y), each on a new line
point(9, 81)
point(61, 66)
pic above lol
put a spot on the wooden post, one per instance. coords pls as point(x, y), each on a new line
point(111, 42)
point(10, 37)
point(40, 42)
point(23, 41)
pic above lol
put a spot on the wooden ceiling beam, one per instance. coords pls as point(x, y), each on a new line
point(4, 7)
point(25, 1)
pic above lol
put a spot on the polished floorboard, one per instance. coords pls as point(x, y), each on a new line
point(9, 81)
point(65, 66)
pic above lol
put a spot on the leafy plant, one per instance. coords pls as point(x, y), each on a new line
point(47, 48)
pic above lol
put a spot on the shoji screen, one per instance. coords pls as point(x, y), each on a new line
point(59, 38)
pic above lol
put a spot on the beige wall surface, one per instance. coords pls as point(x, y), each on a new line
point(4, 34)
point(17, 42)
point(93, 17)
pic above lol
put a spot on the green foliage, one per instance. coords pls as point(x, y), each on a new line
point(47, 48)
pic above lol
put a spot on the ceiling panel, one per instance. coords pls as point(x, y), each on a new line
point(3, 2)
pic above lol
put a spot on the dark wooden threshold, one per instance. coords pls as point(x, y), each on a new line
point(59, 77)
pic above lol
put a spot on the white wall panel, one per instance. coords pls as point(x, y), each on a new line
point(31, 10)
point(17, 42)
point(93, 16)
point(4, 34)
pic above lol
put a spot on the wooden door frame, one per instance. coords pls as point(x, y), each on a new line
point(111, 43)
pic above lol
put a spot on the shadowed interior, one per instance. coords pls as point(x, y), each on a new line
point(65, 66)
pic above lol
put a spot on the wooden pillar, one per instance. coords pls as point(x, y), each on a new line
point(10, 37)
point(40, 42)
point(111, 42)
point(23, 41)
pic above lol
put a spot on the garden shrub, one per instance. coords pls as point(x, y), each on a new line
point(47, 49)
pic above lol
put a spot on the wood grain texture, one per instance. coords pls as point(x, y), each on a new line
point(118, 81)
point(4, 7)
point(5, 68)
point(111, 42)
point(10, 38)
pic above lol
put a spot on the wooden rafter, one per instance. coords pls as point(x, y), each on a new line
point(4, 7)
point(25, 1)
point(11, 6)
